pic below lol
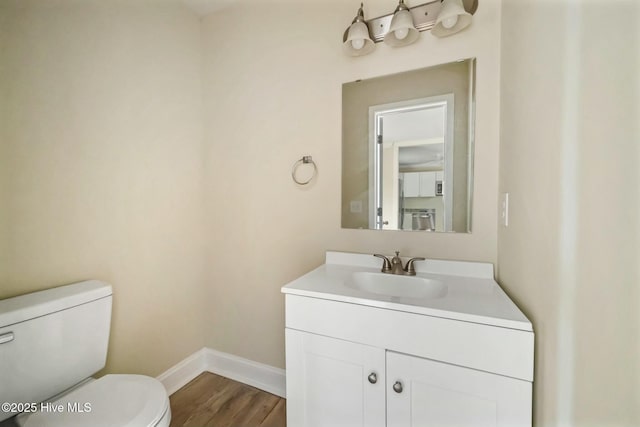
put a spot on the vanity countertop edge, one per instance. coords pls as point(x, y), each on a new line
point(473, 294)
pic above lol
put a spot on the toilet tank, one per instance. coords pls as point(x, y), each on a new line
point(51, 340)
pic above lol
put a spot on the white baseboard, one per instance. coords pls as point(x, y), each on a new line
point(258, 375)
point(180, 374)
point(246, 371)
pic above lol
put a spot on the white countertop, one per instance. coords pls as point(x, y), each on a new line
point(472, 293)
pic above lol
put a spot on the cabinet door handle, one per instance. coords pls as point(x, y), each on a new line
point(373, 378)
point(397, 387)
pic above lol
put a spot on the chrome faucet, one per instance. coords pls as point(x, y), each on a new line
point(394, 266)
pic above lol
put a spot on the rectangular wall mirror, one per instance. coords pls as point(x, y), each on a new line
point(407, 150)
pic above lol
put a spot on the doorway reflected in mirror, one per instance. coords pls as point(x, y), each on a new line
point(408, 150)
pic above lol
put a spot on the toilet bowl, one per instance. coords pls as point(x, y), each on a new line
point(113, 400)
point(51, 342)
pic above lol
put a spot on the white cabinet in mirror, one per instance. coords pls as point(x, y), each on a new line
point(398, 133)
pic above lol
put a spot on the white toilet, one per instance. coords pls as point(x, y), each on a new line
point(51, 342)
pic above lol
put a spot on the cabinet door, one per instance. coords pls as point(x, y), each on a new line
point(411, 184)
point(328, 382)
point(437, 394)
point(427, 184)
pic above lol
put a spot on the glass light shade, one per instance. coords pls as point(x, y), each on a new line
point(450, 22)
point(401, 32)
point(358, 42)
point(452, 19)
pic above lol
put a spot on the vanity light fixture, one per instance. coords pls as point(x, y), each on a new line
point(402, 31)
point(451, 19)
point(356, 40)
point(401, 28)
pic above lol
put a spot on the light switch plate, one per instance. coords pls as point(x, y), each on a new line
point(355, 206)
point(504, 209)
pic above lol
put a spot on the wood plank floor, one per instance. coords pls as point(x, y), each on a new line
point(212, 400)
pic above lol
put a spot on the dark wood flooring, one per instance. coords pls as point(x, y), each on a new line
point(212, 400)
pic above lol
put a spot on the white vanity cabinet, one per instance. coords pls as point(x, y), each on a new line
point(333, 382)
point(430, 393)
point(461, 358)
point(337, 382)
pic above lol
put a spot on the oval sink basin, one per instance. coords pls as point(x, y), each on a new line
point(397, 286)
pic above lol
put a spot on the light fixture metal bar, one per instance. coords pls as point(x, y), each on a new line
point(424, 18)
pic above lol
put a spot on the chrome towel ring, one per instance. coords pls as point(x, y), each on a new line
point(303, 161)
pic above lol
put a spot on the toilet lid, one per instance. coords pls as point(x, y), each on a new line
point(113, 400)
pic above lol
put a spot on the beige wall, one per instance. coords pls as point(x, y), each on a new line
point(569, 159)
point(273, 85)
point(101, 166)
point(358, 96)
point(102, 173)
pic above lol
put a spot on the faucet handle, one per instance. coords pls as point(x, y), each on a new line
point(410, 270)
point(396, 259)
point(386, 264)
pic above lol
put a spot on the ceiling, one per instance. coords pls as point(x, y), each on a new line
point(423, 131)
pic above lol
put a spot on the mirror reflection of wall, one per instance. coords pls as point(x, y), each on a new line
point(407, 150)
